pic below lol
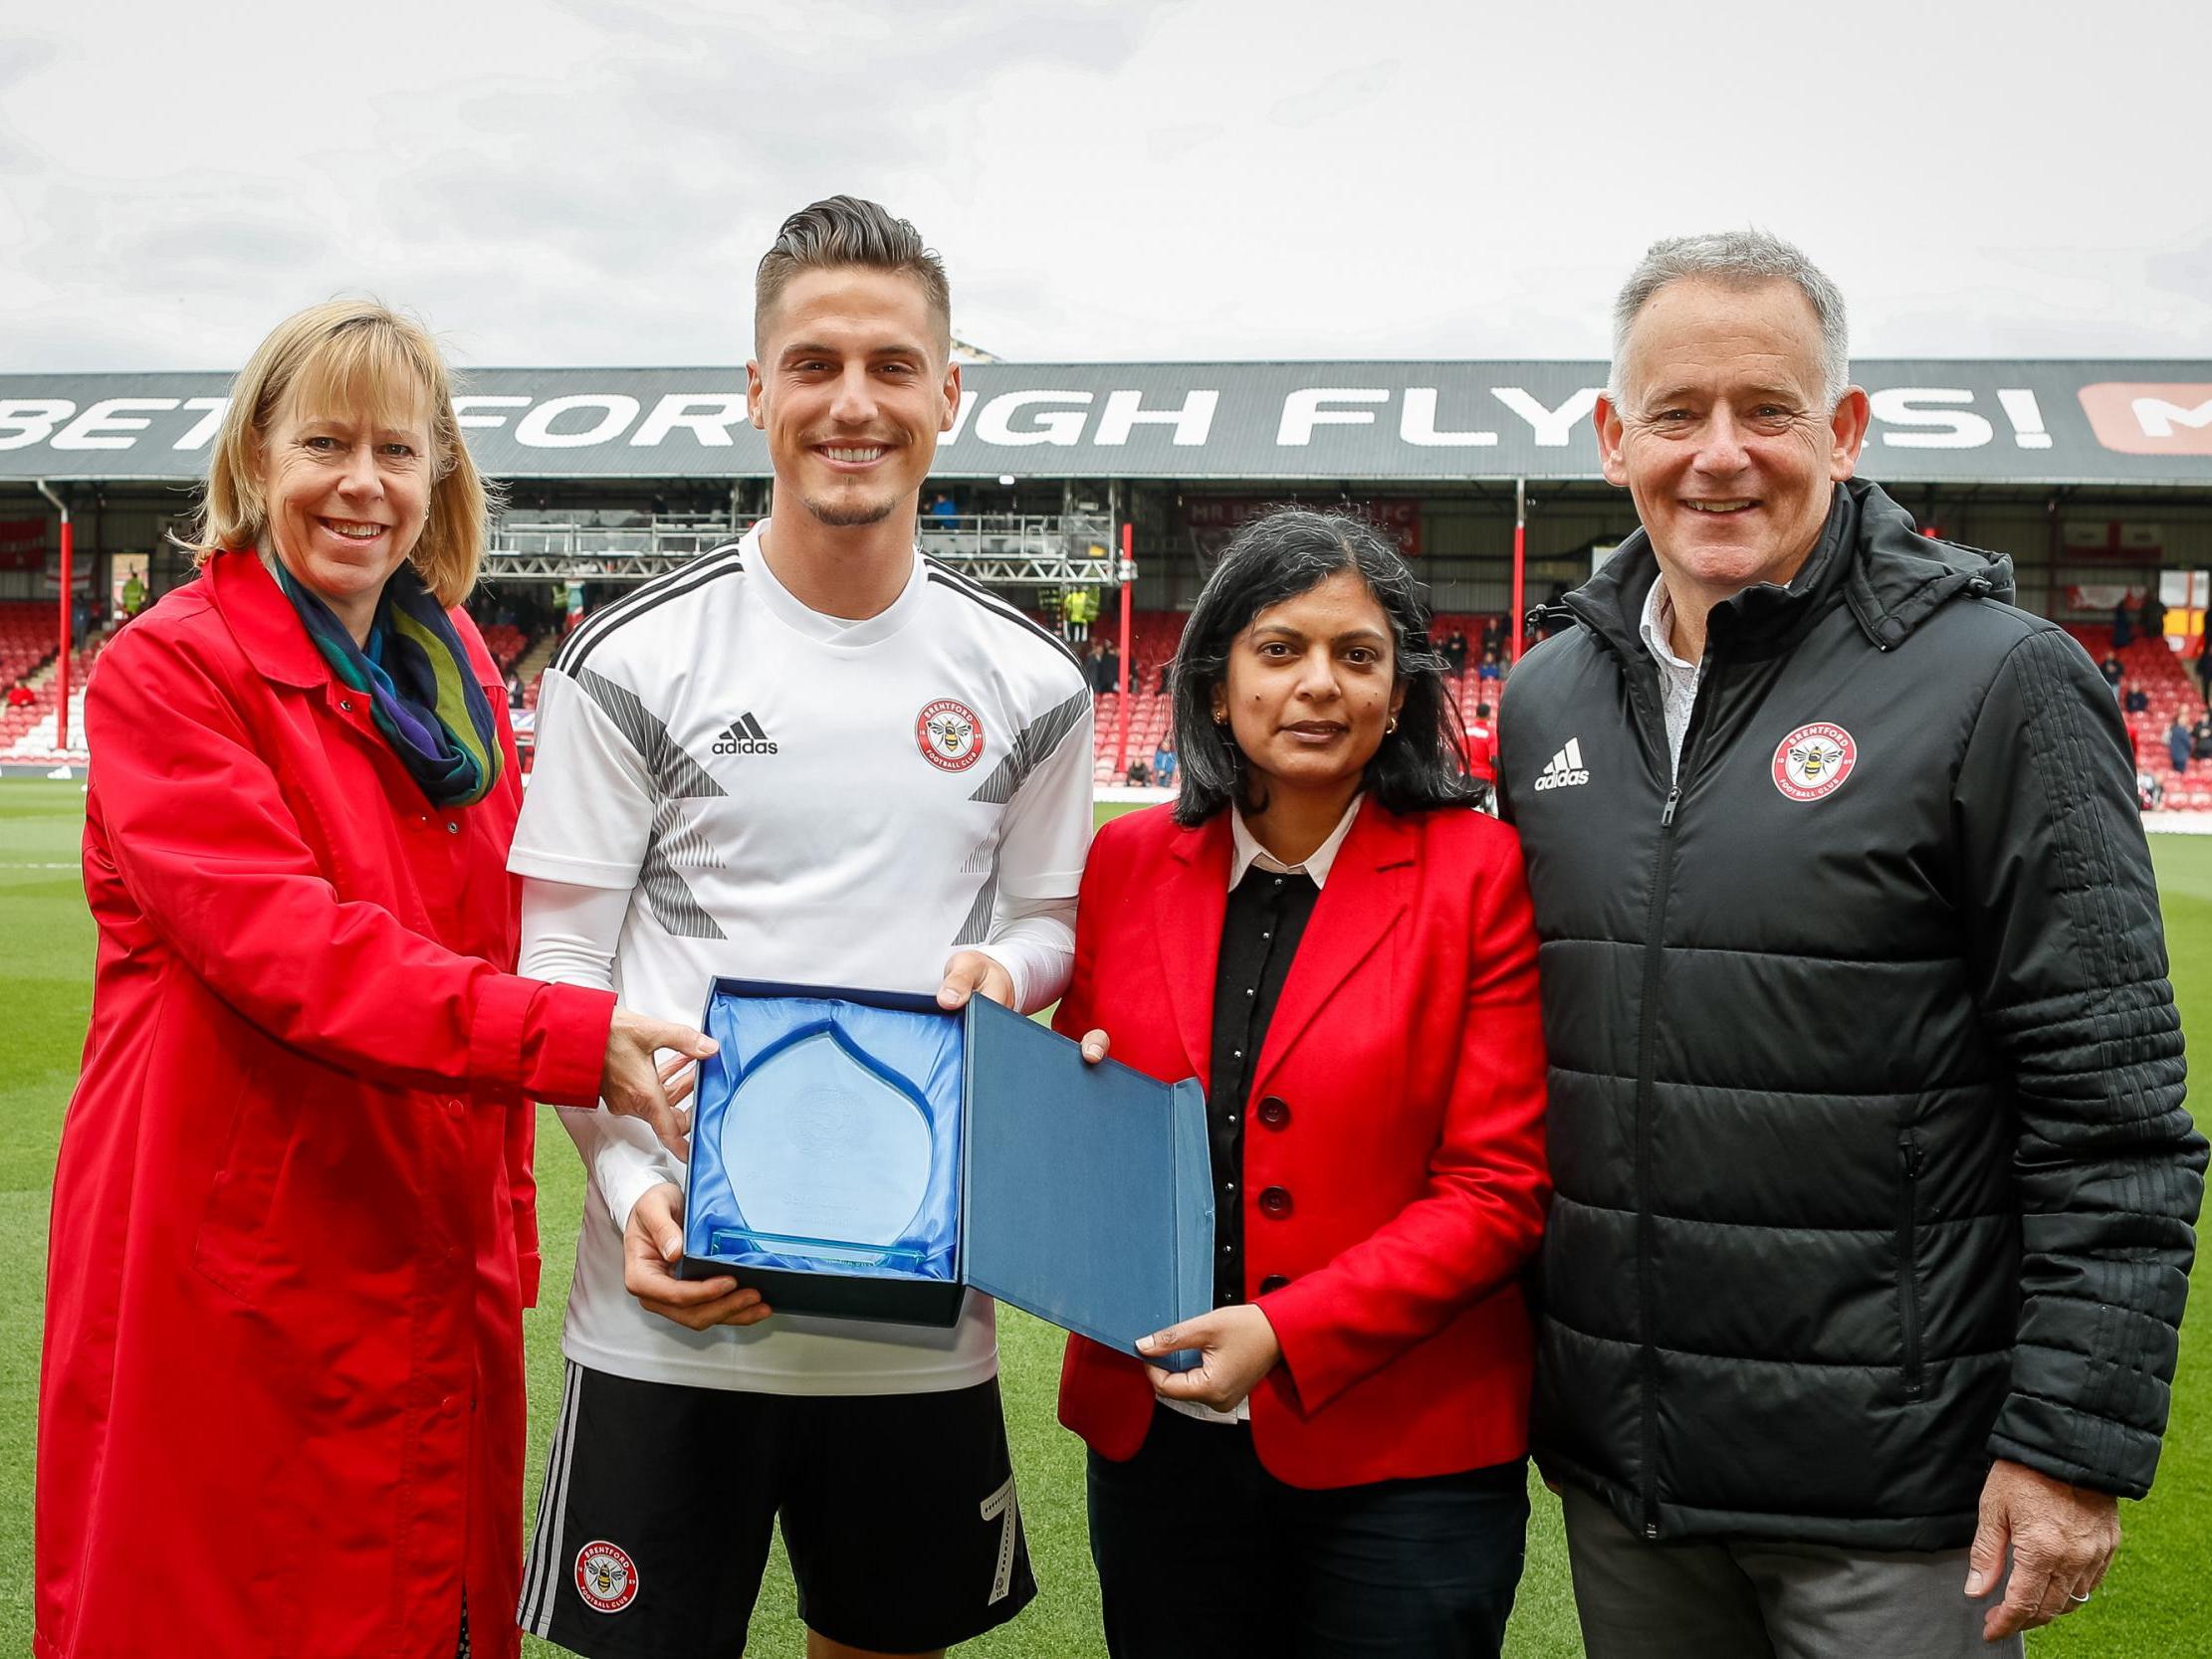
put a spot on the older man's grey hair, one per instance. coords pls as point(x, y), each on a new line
point(1738, 258)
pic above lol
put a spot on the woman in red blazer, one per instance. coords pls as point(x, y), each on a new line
point(1324, 931)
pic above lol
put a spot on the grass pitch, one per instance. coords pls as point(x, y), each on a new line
point(2150, 1606)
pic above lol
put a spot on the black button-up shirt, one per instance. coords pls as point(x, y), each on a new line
point(1267, 916)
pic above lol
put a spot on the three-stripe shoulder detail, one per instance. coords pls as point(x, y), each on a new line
point(708, 567)
point(991, 601)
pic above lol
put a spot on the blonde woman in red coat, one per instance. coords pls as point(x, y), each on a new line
point(281, 1401)
point(1328, 936)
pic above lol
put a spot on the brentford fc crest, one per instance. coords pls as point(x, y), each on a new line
point(1814, 761)
point(950, 735)
point(606, 1578)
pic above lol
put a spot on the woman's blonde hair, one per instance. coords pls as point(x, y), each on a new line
point(348, 354)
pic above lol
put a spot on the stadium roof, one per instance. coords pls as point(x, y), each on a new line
point(1935, 421)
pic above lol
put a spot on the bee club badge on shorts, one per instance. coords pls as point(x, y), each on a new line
point(1814, 761)
point(950, 735)
point(606, 1578)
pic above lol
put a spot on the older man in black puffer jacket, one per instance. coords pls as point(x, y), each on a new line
point(1875, 1186)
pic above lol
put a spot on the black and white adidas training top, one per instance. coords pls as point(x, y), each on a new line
point(792, 797)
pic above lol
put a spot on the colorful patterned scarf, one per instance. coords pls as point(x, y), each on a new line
point(422, 691)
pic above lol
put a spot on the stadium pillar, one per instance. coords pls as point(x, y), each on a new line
point(1520, 567)
point(60, 673)
point(1128, 574)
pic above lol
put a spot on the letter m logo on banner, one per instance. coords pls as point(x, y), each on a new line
point(2150, 419)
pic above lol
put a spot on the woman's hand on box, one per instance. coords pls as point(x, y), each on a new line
point(1237, 1347)
point(634, 1083)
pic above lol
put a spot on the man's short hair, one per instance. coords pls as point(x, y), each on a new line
point(1737, 259)
point(845, 230)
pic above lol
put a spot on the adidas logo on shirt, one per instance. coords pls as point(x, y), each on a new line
point(744, 736)
point(1565, 770)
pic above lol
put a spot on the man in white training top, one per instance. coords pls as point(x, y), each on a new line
point(812, 757)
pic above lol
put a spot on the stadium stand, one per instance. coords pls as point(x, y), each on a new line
point(27, 732)
point(531, 667)
point(2152, 666)
point(1153, 636)
point(26, 636)
point(506, 642)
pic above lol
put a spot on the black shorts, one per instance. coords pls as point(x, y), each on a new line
point(899, 1517)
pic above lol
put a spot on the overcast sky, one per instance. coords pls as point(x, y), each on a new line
point(592, 181)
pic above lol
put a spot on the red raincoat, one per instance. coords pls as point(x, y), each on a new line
point(281, 1404)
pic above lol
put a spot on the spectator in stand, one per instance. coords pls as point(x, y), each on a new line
point(1482, 746)
point(941, 507)
point(1493, 634)
point(1455, 653)
point(2110, 669)
point(2153, 613)
point(2135, 699)
point(2200, 737)
point(1491, 668)
point(2178, 744)
point(1162, 762)
point(134, 594)
point(2123, 623)
point(293, 1225)
point(514, 696)
point(2204, 671)
point(1109, 666)
point(1138, 776)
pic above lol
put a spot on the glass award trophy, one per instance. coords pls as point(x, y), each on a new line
point(865, 1154)
point(827, 1154)
point(827, 1139)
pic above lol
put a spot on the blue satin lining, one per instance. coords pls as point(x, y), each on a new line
point(917, 1054)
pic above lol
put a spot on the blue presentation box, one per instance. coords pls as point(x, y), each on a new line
point(867, 1155)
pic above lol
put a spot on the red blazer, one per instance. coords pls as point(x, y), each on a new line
point(1398, 1103)
point(281, 1401)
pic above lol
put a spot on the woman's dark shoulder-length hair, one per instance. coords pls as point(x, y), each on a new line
point(1423, 764)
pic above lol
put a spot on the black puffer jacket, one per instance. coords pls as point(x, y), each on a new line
point(1867, 1079)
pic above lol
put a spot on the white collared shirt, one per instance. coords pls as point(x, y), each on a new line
point(1247, 851)
point(1677, 679)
